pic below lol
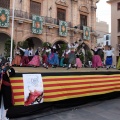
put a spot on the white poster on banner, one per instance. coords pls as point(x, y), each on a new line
point(33, 89)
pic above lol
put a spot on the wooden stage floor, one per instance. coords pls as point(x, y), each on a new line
point(59, 69)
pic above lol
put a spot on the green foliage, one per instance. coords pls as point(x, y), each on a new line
point(23, 44)
point(82, 57)
point(45, 44)
point(88, 56)
point(63, 47)
point(7, 48)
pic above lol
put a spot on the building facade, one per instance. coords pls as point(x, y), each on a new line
point(103, 36)
point(115, 27)
point(76, 13)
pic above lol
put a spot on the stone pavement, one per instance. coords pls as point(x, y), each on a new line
point(100, 110)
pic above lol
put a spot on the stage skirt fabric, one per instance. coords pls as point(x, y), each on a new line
point(35, 61)
point(78, 63)
point(53, 59)
point(16, 60)
point(61, 62)
point(109, 60)
point(44, 59)
point(24, 61)
point(66, 60)
point(72, 58)
point(118, 64)
point(96, 61)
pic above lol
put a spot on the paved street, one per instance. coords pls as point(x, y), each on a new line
point(100, 110)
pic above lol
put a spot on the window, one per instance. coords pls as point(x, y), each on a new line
point(107, 43)
point(107, 37)
point(83, 20)
point(35, 8)
point(61, 14)
point(118, 25)
point(5, 4)
point(118, 6)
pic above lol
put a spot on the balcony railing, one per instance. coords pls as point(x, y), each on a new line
point(81, 27)
point(26, 15)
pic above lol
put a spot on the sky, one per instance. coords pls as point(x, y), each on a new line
point(104, 12)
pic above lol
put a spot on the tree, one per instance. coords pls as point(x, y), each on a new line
point(7, 48)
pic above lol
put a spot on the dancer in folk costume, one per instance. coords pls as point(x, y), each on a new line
point(35, 62)
point(66, 59)
point(53, 57)
point(25, 59)
point(17, 59)
point(118, 63)
point(96, 60)
point(31, 54)
point(6, 94)
point(45, 54)
point(72, 56)
point(62, 60)
point(78, 61)
point(109, 54)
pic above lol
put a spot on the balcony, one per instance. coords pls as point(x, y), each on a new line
point(81, 27)
point(47, 20)
point(25, 15)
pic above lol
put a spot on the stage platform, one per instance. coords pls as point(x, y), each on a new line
point(65, 88)
point(60, 69)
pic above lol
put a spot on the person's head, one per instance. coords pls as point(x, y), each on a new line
point(95, 48)
point(28, 48)
point(109, 47)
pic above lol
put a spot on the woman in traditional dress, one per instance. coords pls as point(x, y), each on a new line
point(118, 63)
point(72, 56)
point(17, 59)
point(31, 54)
point(53, 57)
point(109, 54)
point(45, 53)
point(25, 59)
point(6, 89)
point(96, 60)
point(35, 62)
point(78, 61)
point(66, 60)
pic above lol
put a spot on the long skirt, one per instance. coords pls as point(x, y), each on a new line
point(16, 60)
point(61, 62)
point(118, 64)
point(53, 59)
point(109, 60)
point(78, 63)
point(24, 61)
point(30, 58)
point(44, 59)
point(35, 61)
point(72, 58)
point(96, 61)
point(66, 60)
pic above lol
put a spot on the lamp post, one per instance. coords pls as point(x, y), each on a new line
point(12, 32)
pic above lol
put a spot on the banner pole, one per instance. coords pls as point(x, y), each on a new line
point(12, 32)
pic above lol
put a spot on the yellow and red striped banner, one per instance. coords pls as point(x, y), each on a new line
point(65, 87)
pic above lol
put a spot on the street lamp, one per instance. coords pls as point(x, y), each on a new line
point(12, 32)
